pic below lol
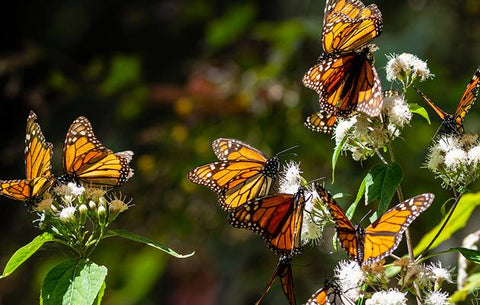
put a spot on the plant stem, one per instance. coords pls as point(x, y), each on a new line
point(444, 224)
point(407, 231)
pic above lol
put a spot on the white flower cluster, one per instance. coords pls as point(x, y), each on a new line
point(350, 278)
point(365, 135)
point(390, 297)
point(455, 159)
point(436, 298)
point(315, 213)
point(406, 68)
point(71, 209)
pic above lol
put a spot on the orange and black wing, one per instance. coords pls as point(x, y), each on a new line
point(467, 100)
point(348, 25)
point(243, 174)
point(347, 83)
point(86, 160)
point(277, 218)
point(346, 232)
point(38, 167)
point(383, 236)
point(442, 114)
point(329, 294)
point(235, 150)
point(284, 272)
point(322, 121)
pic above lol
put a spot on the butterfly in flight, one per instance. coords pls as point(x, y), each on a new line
point(277, 218)
point(329, 294)
point(284, 272)
point(86, 160)
point(372, 244)
point(344, 76)
point(454, 123)
point(242, 174)
point(38, 167)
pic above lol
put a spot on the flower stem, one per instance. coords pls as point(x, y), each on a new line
point(407, 232)
point(444, 224)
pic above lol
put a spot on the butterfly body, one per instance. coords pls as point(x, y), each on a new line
point(277, 218)
point(242, 174)
point(372, 244)
point(88, 161)
point(38, 168)
point(453, 123)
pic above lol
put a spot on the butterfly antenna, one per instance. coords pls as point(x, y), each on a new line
point(365, 216)
point(288, 149)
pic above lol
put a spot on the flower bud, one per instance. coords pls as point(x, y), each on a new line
point(102, 215)
point(83, 210)
point(92, 205)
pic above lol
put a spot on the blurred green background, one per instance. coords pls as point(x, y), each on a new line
point(166, 78)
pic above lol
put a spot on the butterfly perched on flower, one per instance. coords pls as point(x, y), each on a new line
point(329, 294)
point(277, 218)
point(372, 244)
point(38, 167)
point(344, 76)
point(454, 123)
point(284, 272)
point(242, 174)
point(86, 160)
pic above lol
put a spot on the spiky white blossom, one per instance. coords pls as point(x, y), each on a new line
point(436, 298)
point(397, 110)
point(439, 273)
point(449, 142)
point(406, 67)
point(344, 126)
point(75, 190)
point(350, 278)
point(67, 214)
point(290, 178)
point(390, 297)
point(455, 158)
point(474, 155)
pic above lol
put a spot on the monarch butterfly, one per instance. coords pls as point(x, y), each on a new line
point(242, 174)
point(454, 123)
point(86, 160)
point(277, 218)
point(38, 167)
point(330, 293)
point(348, 25)
point(284, 272)
point(381, 238)
point(345, 77)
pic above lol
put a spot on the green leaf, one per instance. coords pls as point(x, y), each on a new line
point(336, 154)
point(74, 282)
point(416, 108)
point(462, 213)
point(471, 255)
point(147, 241)
point(24, 253)
point(98, 300)
point(361, 190)
point(381, 183)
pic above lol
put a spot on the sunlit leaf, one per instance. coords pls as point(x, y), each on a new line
point(465, 207)
point(74, 282)
point(146, 241)
point(415, 108)
point(24, 253)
